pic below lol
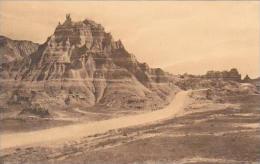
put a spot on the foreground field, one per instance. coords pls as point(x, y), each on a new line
point(77, 131)
point(226, 133)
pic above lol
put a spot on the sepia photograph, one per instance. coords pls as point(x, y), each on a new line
point(129, 82)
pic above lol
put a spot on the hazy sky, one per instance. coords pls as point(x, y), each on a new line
point(179, 36)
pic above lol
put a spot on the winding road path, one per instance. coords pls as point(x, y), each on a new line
point(77, 131)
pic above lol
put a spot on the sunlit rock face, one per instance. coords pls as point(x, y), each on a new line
point(82, 64)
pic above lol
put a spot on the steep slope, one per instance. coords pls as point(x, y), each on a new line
point(81, 64)
point(11, 50)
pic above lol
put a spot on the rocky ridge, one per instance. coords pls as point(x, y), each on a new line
point(11, 50)
point(81, 64)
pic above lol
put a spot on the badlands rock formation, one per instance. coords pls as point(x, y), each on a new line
point(81, 64)
point(233, 75)
point(11, 50)
point(217, 89)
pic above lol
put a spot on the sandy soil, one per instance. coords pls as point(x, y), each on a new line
point(85, 129)
point(212, 134)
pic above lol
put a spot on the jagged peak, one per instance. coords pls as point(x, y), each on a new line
point(93, 24)
point(68, 18)
point(86, 22)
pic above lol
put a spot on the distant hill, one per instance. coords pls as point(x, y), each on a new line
point(11, 50)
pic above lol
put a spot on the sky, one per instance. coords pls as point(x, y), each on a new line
point(180, 37)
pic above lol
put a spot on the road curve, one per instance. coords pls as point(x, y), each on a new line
point(84, 129)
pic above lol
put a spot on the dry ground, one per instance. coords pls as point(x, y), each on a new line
point(11, 121)
point(216, 133)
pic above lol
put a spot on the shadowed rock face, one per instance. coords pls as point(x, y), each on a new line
point(11, 50)
point(82, 64)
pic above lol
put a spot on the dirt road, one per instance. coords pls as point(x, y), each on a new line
point(84, 129)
